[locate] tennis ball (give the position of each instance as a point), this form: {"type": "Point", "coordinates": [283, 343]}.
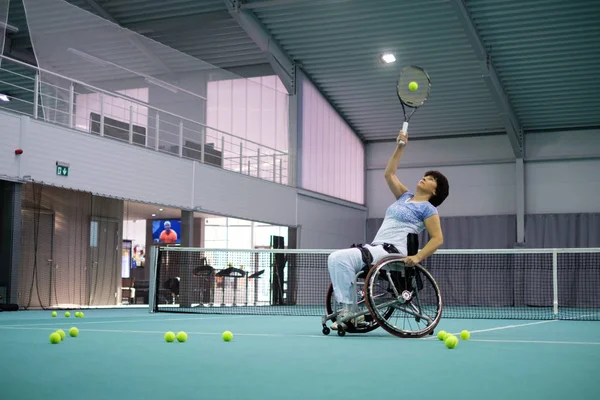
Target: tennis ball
{"type": "Point", "coordinates": [76, 314]}
{"type": "Point", "coordinates": [54, 338]}
{"type": "Point", "coordinates": [169, 337]}
{"type": "Point", "coordinates": [227, 336]}
{"type": "Point", "coordinates": [441, 335]}
{"type": "Point", "coordinates": [54, 314]}
{"type": "Point", "coordinates": [81, 314]}
{"type": "Point", "coordinates": [413, 86]}
{"type": "Point", "coordinates": [451, 341]}
{"type": "Point", "coordinates": [465, 335]}
{"type": "Point", "coordinates": [181, 336]}
{"type": "Point", "coordinates": [67, 314]}
{"type": "Point", "coordinates": [446, 336]}
{"type": "Point", "coordinates": [61, 333]}
{"type": "Point", "coordinates": [73, 332]}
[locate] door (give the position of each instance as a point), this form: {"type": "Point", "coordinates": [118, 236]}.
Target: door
{"type": "Point", "coordinates": [36, 272]}
{"type": "Point", "coordinates": [104, 272]}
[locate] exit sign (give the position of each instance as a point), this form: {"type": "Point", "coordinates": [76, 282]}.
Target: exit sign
{"type": "Point", "coordinates": [62, 169]}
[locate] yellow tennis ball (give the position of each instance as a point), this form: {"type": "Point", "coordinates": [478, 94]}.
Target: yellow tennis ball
{"type": "Point", "coordinates": [67, 314]}
{"type": "Point", "coordinates": [73, 332]}
{"type": "Point", "coordinates": [61, 333]}
{"type": "Point", "coordinates": [451, 341]}
{"type": "Point", "coordinates": [441, 335]}
{"type": "Point", "coordinates": [81, 314]}
{"type": "Point", "coordinates": [413, 86]}
{"type": "Point", "coordinates": [227, 336]}
{"type": "Point", "coordinates": [465, 335]}
{"type": "Point", "coordinates": [182, 336]}
{"type": "Point", "coordinates": [54, 314]}
{"type": "Point", "coordinates": [169, 337]}
{"type": "Point", "coordinates": [54, 338]}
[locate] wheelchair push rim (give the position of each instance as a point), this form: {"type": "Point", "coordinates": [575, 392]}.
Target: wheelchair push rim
{"type": "Point", "coordinates": [370, 324]}
{"type": "Point", "coordinates": [412, 292]}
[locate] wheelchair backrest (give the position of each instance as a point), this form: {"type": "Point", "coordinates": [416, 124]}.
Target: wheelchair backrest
{"type": "Point", "coordinates": [412, 244]}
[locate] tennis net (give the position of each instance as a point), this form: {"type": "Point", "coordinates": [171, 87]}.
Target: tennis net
{"type": "Point", "coordinates": [536, 284]}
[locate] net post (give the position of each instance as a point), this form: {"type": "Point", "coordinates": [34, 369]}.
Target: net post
{"type": "Point", "coordinates": [152, 282]}
{"type": "Point", "coordinates": [555, 281]}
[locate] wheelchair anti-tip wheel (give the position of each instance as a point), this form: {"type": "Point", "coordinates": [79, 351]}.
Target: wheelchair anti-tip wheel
{"type": "Point", "coordinates": [410, 292]}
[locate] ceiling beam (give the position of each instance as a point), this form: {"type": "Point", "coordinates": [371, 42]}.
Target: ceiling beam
{"type": "Point", "coordinates": [268, 3]}
{"type": "Point", "coordinates": [490, 76]}
{"type": "Point", "coordinates": [131, 36]}
{"type": "Point", "coordinates": [282, 64]}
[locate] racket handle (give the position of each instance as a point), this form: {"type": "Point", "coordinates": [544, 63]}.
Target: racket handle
{"type": "Point", "coordinates": [405, 130]}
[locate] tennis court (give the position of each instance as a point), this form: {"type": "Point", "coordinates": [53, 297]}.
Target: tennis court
{"type": "Point", "coordinates": [288, 357]}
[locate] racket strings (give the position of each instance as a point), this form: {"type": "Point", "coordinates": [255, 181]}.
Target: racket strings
{"type": "Point", "coordinates": [413, 98]}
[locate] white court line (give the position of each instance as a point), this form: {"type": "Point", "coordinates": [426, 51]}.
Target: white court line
{"type": "Point", "coordinates": [83, 322]}
{"type": "Point", "coordinates": [499, 328]}
{"type": "Point", "coordinates": [534, 341]}
{"type": "Point", "coordinates": [162, 332]}
{"type": "Point", "coordinates": [317, 336]}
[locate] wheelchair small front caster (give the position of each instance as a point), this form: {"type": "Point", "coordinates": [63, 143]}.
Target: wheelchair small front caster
{"type": "Point", "coordinates": [341, 331]}
{"type": "Point", "coordinates": [326, 330]}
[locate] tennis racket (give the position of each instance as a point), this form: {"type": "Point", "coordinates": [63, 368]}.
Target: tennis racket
{"type": "Point", "coordinates": [412, 99]}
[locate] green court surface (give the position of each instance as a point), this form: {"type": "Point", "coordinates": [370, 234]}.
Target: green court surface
{"type": "Point", "coordinates": [122, 354]}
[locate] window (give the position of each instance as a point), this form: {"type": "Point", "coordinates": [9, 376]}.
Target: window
{"type": "Point", "coordinates": [333, 157]}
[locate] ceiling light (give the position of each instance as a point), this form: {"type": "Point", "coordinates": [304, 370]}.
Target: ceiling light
{"type": "Point", "coordinates": [154, 215]}
{"type": "Point", "coordinates": [388, 58]}
{"type": "Point", "coordinates": [160, 209]}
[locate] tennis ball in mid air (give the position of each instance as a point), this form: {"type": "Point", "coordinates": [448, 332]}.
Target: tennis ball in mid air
{"type": "Point", "coordinates": [465, 335]}
{"type": "Point", "coordinates": [182, 336]}
{"type": "Point", "coordinates": [451, 341]}
{"type": "Point", "coordinates": [413, 86]}
{"type": "Point", "coordinates": [54, 338]}
{"type": "Point", "coordinates": [169, 337]}
{"type": "Point", "coordinates": [227, 336]}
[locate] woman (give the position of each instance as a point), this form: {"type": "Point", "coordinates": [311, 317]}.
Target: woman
{"type": "Point", "coordinates": [410, 213]}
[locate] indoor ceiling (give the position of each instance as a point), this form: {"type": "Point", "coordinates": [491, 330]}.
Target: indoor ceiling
{"type": "Point", "coordinates": [545, 54]}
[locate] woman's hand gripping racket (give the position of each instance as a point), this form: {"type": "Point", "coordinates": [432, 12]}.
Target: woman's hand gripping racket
{"type": "Point", "coordinates": [413, 89]}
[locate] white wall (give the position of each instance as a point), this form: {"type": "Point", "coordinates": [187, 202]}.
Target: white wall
{"type": "Point", "coordinates": [560, 173]}
{"type": "Point", "coordinates": [327, 225]}
{"type": "Point", "coordinates": [10, 140]}
{"type": "Point", "coordinates": [115, 169]}
{"type": "Point", "coordinates": [475, 188]}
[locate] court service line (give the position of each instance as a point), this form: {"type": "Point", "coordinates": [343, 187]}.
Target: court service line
{"type": "Point", "coordinates": [534, 341]}
{"type": "Point", "coordinates": [162, 332]}
{"type": "Point", "coordinates": [499, 328]}
{"type": "Point", "coordinates": [126, 321]}
{"type": "Point", "coordinates": [282, 335]}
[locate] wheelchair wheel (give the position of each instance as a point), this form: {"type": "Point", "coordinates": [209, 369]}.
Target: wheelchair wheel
{"type": "Point", "coordinates": [369, 323]}
{"type": "Point", "coordinates": [412, 294]}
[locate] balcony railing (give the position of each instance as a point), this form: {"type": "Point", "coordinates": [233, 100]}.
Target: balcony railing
{"type": "Point", "coordinates": [53, 98]}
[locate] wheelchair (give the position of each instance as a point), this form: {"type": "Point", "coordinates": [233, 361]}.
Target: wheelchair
{"type": "Point", "coordinates": [404, 300]}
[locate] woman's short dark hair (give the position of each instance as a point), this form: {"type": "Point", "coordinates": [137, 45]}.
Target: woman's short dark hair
{"type": "Point", "coordinates": [443, 188]}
